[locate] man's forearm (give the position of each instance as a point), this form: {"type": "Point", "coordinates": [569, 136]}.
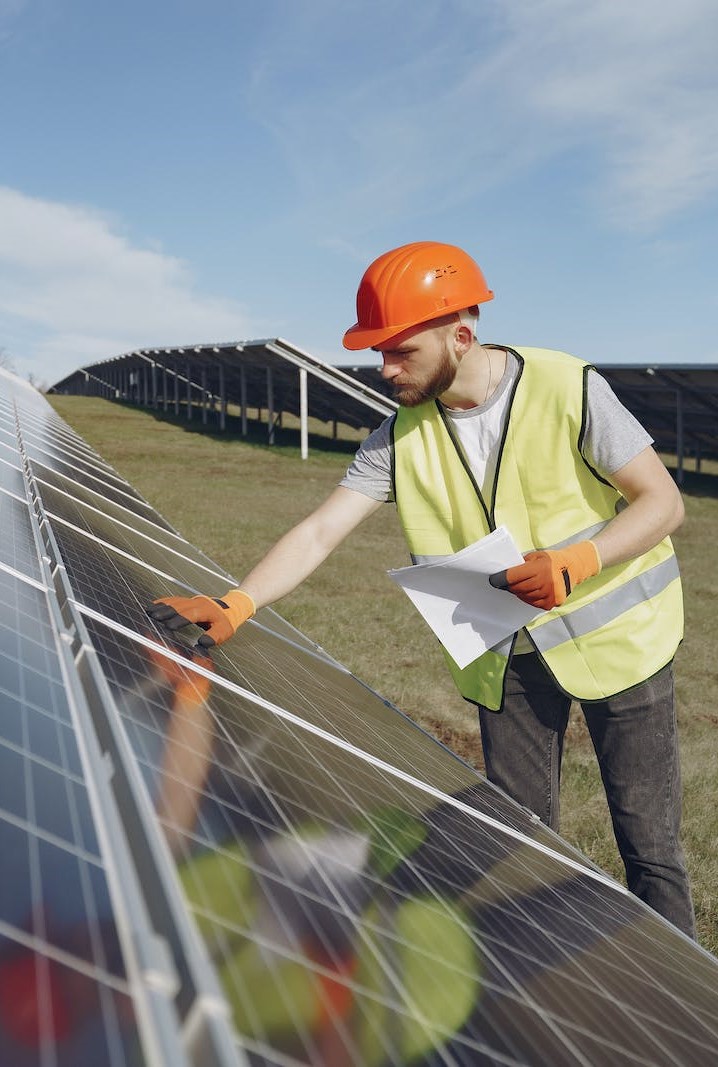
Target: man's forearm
{"type": "Point", "coordinates": [655, 510]}
{"type": "Point", "coordinates": [298, 554]}
{"type": "Point", "coordinates": [634, 531]}
{"type": "Point", "coordinates": [287, 564]}
{"type": "Point", "coordinates": [283, 568]}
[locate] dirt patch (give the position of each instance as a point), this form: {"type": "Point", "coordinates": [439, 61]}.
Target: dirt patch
{"type": "Point", "coordinates": [465, 743]}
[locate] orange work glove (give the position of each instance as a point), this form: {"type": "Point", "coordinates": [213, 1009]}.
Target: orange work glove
{"type": "Point", "coordinates": [220, 618]}
{"type": "Point", "coordinates": [546, 578]}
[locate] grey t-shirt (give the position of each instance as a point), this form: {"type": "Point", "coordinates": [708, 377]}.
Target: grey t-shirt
{"type": "Point", "coordinates": [613, 437]}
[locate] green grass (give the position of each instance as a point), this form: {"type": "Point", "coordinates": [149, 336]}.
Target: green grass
{"type": "Point", "coordinates": [233, 497]}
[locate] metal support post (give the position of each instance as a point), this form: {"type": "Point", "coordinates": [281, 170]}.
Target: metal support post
{"type": "Point", "coordinates": [679, 436]}
{"type": "Point", "coordinates": [243, 398]}
{"type": "Point", "coordinates": [270, 406]}
{"type": "Point", "coordinates": [303, 408]}
{"type": "Point", "coordinates": [222, 400]}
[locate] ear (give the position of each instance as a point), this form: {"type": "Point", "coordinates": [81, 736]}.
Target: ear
{"type": "Point", "coordinates": [463, 338]}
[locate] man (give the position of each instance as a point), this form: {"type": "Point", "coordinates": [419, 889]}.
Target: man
{"type": "Point", "coordinates": [533, 439]}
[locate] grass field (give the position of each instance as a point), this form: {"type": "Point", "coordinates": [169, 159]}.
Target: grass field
{"type": "Point", "coordinates": [233, 497]}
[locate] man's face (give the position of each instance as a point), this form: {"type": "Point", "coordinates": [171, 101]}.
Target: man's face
{"type": "Point", "coordinates": [419, 365]}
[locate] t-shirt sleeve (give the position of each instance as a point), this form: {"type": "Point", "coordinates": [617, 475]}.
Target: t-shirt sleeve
{"type": "Point", "coordinates": [613, 435]}
{"type": "Point", "coordinates": [370, 470]}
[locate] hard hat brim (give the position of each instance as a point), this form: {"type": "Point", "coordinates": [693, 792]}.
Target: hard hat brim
{"type": "Point", "coordinates": [358, 337]}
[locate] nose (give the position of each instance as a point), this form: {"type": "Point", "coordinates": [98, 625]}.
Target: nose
{"type": "Point", "coordinates": [390, 368]}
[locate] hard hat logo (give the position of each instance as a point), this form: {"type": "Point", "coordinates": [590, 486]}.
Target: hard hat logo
{"type": "Point", "coordinates": [440, 272]}
{"type": "Point", "coordinates": [411, 285]}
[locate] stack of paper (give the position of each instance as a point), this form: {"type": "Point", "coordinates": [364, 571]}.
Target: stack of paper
{"type": "Point", "coordinates": [455, 598]}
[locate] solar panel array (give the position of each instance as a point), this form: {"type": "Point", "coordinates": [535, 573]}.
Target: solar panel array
{"type": "Point", "coordinates": [264, 374]}
{"type": "Point", "coordinates": [249, 857]}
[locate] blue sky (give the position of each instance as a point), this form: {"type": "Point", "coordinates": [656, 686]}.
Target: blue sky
{"type": "Point", "coordinates": [178, 171]}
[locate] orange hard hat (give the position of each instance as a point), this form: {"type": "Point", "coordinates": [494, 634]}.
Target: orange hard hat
{"type": "Point", "coordinates": [410, 285]}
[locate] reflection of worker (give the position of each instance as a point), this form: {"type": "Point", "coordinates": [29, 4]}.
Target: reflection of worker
{"type": "Point", "coordinates": [536, 440]}
{"type": "Point", "coordinates": [290, 961]}
{"type": "Point", "coordinates": [187, 747]}
{"type": "Point", "coordinates": [305, 974]}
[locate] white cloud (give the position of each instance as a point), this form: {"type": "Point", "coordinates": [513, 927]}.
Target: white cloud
{"type": "Point", "coordinates": [634, 84]}
{"type": "Point", "coordinates": [75, 289]}
{"type": "Point", "coordinates": [435, 109]}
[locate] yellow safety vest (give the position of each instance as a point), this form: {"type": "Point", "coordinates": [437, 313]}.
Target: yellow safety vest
{"type": "Point", "coordinates": [616, 629]}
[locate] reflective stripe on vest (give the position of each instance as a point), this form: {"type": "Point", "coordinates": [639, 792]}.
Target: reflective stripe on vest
{"type": "Point", "coordinates": [617, 628]}
{"type": "Point", "coordinates": [610, 606]}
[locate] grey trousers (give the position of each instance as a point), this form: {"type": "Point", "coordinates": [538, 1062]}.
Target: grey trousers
{"type": "Point", "coordinates": [635, 739]}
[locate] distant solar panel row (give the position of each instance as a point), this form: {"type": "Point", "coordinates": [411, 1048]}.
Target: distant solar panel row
{"type": "Point", "coordinates": [251, 858]}
{"type": "Point", "coordinates": [263, 374]}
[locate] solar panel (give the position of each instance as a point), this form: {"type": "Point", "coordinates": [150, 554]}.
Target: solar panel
{"type": "Point", "coordinates": [249, 857]}
{"type": "Point", "coordinates": [11, 480]}
{"type": "Point", "coordinates": [63, 976]}
{"type": "Point", "coordinates": [9, 454]}
{"type": "Point", "coordinates": [17, 545]}
{"type": "Point", "coordinates": [81, 499]}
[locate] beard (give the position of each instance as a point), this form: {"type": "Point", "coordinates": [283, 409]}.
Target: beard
{"type": "Point", "coordinates": [411, 394]}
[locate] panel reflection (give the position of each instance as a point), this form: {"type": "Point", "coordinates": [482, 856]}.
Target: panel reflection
{"type": "Point", "coordinates": [355, 918]}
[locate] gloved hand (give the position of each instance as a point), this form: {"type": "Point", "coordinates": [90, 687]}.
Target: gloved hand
{"type": "Point", "coordinates": [220, 618]}
{"type": "Point", "coordinates": [546, 578]}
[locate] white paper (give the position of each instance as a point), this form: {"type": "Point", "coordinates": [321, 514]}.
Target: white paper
{"type": "Point", "coordinates": [455, 598]}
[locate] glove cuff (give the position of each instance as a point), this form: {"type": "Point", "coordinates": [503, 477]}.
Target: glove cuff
{"type": "Point", "coordinates": [240, 607]}
{"type": "Point", "coordinates": [586, 555]}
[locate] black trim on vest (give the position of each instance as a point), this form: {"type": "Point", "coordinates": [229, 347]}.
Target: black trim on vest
{"type": "Point", "coordinates": [392, 460]}
{"type": "Point", "coordinates": [464, 462]}
{"type": "Point", "coordinates": [519, 373]}
{"type": "Point", "coordinates": [584, 421]}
